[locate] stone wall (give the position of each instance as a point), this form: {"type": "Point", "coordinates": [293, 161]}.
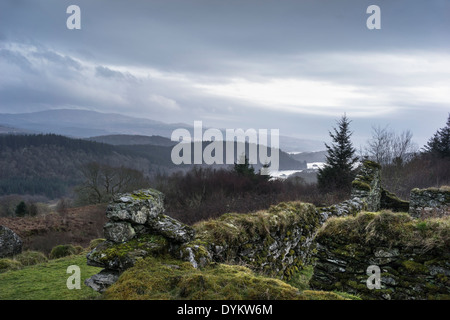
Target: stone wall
{"type": "Point", "coordinates": [431, 202]}
{"type": "Point", "coordinates": [413, 256]}
{"type": "Point", "coordinates": [277, 242]}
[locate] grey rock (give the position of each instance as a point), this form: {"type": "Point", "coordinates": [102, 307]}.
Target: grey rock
{"type": "Point", "coordinates": [10, 243]}
{"type": "Point", "coordinates": [102, 280]}
{"type": "Point", "coordinates": [118, 231]}
{"type": "Point", "coordinates": [171, 229]}
{"type": "Point", "coordinates": [121, 256]}
{"type": "Point", "coordinates": [136, 207]}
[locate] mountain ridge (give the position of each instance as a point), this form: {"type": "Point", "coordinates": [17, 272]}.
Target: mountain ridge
{"type": "Point", "coordinates": [78, 123]}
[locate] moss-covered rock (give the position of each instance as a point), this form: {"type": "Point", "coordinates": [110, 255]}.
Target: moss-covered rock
{"type": "Point", "coordinates": [390, 201]}
{"type": "Point", "coordinates": [121, 256]}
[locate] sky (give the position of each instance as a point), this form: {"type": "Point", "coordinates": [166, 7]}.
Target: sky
{"type": "Point", "coordinates": [292, 65]}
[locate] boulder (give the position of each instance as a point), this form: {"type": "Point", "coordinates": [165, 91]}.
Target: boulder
{"type": "Point", "coordinates": [10, 243]}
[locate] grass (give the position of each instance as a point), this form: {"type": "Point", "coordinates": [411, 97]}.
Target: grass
{"type": "Point", "coordinates": [387, 228]}
{"type": "Point", "coordinates": [47, 281]}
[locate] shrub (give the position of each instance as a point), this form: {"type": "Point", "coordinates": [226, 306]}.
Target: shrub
{"type": "Point", "coordinates": [7, 264]}
{"type": "Point", "coordinates": [28, 258]}
{"type": "Point", "coordinates": [62, 251]}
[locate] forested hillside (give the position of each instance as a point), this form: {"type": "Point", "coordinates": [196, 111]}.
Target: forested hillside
{"type": "Point", "coordinates": [50, 165]}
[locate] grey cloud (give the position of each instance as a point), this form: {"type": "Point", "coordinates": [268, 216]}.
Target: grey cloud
{"type": "Point", "coordinates": [56, 58]}
{"type": "Point", "coordinates": [212, 42]}
{"type": "Point", "coordinates": [17, 59]}
{"type": "Point", "coordinates": [105, 72]}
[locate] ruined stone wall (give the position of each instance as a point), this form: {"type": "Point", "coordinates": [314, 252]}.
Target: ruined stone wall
{"type": "Point", "coordinates": [367, 185]}
{"type": "Point", "coordinates": [431, 202]}
{"type": "Point", "coordinates": [413, 256]}
{"type": "Point", "coordinates": [277, 242]}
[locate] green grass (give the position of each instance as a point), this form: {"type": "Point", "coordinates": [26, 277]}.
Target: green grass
{"type": "Point", "coordinates": [47, 281]}
{"type": "Point", "coordinates": [300, 279]}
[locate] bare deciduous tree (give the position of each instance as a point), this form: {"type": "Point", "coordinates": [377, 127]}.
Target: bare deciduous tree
{"type": "Point", "coordinates": [103, 181]}
{"type": "Point", "coordinates": [387, 147]}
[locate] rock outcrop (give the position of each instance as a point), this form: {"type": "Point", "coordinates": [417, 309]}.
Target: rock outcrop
{"type": "Point", "coordinates": [10, 243]}
{"type": "Point", "coordinates": [137, 228]}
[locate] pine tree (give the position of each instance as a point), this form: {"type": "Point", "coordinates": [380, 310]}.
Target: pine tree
{"type": "Point", "coordinates": [338, 172]}
{"type": "Point", "coordinates": [244, 168]}
{"type": "Point", "coordinates": [439, 144]}
{"type": "Point", "coordinates": [21, 209]}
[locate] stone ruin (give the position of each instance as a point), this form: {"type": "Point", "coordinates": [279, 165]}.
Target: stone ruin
{"type": "Point", "coordinates": [276, 242]}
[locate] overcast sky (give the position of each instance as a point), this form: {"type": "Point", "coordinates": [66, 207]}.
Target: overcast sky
{"type": "Point", "coordinates": [292, 65]}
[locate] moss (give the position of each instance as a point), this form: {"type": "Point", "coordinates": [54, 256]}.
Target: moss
{"type": "Point", "coordinates": [234, 229]}
{"type": "Point", "coordinates": [371, 164]}
{"type": "Point", "coordinates": [360, 185]}
{"type": "Point", "coordinates": [140, 243]}
{"type": "Point", "coordinates": [387, 228]}
{"type": "Point", "coordinates": [146, 194]}
{"type": "Point", "coordinates": [391, 202]}
{"type": "Point", "coordinates": [165, 278]}
{"type": "Point", "coordinates": [414, 267]}
{"type": "Point", "coordinates": [95, 242]}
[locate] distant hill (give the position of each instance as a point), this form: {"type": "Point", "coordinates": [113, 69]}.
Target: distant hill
{"type": "Point", "coordinates": [87, 124]}
{"type": "Point", "coordinates": [126, 139]}
{"type": "Point", "coordinates": [10, 130]}
{"type": "Point", "coordinates": [50, 164]}
{"type": "Point", "coordinates": [84, 123]}
{"type": "Point", "coordinates": [319, 156]}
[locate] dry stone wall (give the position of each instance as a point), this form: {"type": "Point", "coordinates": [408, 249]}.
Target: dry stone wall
{"type": "Point", "coordinates": [413, 256]}
{"type": "Point", "coordinates": [431, 202]}
{"type": "Point", "coordinates": [277, 242]}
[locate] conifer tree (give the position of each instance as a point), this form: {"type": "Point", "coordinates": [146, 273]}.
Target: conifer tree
{"type": "Point", "coordinates": [338, 172]}
{"type": "Point", "coordinates": [439, 144]}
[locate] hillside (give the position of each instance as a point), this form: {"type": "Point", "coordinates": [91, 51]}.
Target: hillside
{"type": "Point", "coordinates": [317, 156]}
{"type": "Point", "coordinates": [50, 164]}
{"type": "Point", "coordinates": [86, 124]}
{"type": "Point", "coordinates": [126, 139]}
